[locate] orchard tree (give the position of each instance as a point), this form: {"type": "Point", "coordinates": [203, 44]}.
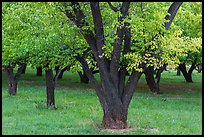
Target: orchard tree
{"type": "Point", "coordinates": [109, 30]}
{"type": "Point", "coordinates": [190, 21]}
{"type": "Point", "coordinates": [14, 43]}
{"type": "Point", "coordinates": [53, 44]}
{"type": "Point", "coordinates": [151, 38]}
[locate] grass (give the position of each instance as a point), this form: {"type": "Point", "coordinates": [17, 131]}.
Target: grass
{"type": "Point", "coordinates": [177, 111]}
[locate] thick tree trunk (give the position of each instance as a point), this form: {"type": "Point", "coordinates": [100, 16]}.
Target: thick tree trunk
{"type": "Point", "coordinates": [50, 87]}
{"type": "Point", "coordinates": [115, 121]}
{"type": "Point", "coordinates": [39, 71]}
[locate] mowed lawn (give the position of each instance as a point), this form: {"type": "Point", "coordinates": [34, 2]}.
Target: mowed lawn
{"type": "Point", "coordinates": [177, 111]}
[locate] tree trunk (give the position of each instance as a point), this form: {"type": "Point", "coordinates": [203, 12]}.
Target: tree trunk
{"type": "Point", "coordinates": [50, 87]}
{"type": "Point", "coordinates": [83, 78]}
{"type": "Point", "coordinates": [12, 80]}
{"type": "Point", "coordinates": [12, 85]}
{"type": "Point", "coordinates": [178, 72]}
{"type": "Point", "coordinates": [187, 75]}
{"type": "Point", "coordinates": [149, 76]}
{"type": "Point", "coordinates": [24, 69]}
{"type": "Point", "coordinates": [115, 121]}
{"type": "Point", "coordinates": [39, 71]}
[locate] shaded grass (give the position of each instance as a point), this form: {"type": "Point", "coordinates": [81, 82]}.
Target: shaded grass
{"type": "Point", "coordinates": [177, 111]}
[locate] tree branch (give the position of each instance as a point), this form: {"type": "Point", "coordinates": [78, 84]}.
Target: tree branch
{"type": "Point", "coordinates": [172, 11]}
{"type": "Point", "coordinates": [92, 79]}
{"type": "Point", "coordinates": [116, 9]}
{"type": "Point", "coordinates": [115, 60]}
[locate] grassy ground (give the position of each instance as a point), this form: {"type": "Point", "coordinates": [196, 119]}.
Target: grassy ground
{"type": "Point", "coordinates": [177, 111]}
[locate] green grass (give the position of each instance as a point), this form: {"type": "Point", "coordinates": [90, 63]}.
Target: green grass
{"type": "Point", "coordinates": [177, 111]}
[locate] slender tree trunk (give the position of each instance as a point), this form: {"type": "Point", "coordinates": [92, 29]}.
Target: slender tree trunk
{"type": "Point", "coordinates": [39, 71]}
{"type": "Point", "coordinates": [178, 72]}
{"type": "Point", "coordinates": [149, 76]}
{"type": "Point", "coordinates": [12, 85]}
{"type": "Point", "coordinates": [24, 69]}
{"type": "Point", "coordinates": [50, 87]}
{"type": "Point", "coordinates": [83, 78]}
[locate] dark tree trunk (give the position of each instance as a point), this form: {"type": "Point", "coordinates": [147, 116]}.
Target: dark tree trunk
{"type": "Point", "coordinates": [83, 77]}
{"type": "Point", "coordinates": [187, 75]}
{"type": "Point", "coordinates": [149, 76]}
{"type": "Point", "coordinates": [24, 69]}
{"type": "Point", "coordinates": [12, 80]}
{"type": "Point", "coordinates": [115, 121]}
{"type": "Point", "coordinates": [50, 87]}
{"type": "Point", "coordinates": [12, 85]}
{"type": "Point", "coordinates": [178, 72]}
{"type": "Point", "coordinates": [39, 71]}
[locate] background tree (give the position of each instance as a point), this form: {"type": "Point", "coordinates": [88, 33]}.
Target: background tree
{"type": "Point", "coordinates": [190, 22]}
{"type": "Point", "coordinates": [14, 48]}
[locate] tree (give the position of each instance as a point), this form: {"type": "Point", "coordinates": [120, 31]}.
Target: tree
{"type": "Point", "coordinates": [190, 21]}
{"type": "Point", "coordinates": [153, 82]}
{"type": "Point", "coordinates": [14, 48]}
{"type": "Point", "coordinates": [114, 94]}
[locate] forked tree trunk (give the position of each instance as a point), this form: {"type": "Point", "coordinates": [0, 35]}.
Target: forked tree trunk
{"type": "Point", "coordinates": [57, 68]}
{"type": "Point", "coordinates": [50, 87]}
{"type": "Point", "coordinates": [187, 74]}
{"type": "Point", "coordinates": [115, 93]}
{"type": "Point", "coordinates": [39, 71]}
{"type": "Point", "coordinates": [12, 79]}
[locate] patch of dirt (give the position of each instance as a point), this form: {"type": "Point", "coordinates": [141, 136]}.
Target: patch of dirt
{"type": "Point", "coordinates": [153, 130]}
{"type": "Point", "coordinates": [74, 88]}
{"type": "Point", "coordinates": [119, 130]}
{"type": "Point", "coordinates": [177, 87]}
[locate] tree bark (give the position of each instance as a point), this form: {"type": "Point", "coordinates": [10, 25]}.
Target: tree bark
{"type": "Point", "coordinates": [39, 71]}
{"type": "Point", "coordinates": [83, 77]}
{"type": "Point", "coordinates": [12, 85]}
{"type": "Point", "coordinates": [115, 121]}
{"type": "Point", "coordinates": [178, 72]}
{"type": "Point", "coordinates": [12, 79]}
{"type": "Point", "coordinates": [149, 76]}
{"type": "Point", "coordinates": [187, 75]}
{"type": "Point", "coordinates": [50, 87]}
{"type": "Point", "coordinates": [24, 69]}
